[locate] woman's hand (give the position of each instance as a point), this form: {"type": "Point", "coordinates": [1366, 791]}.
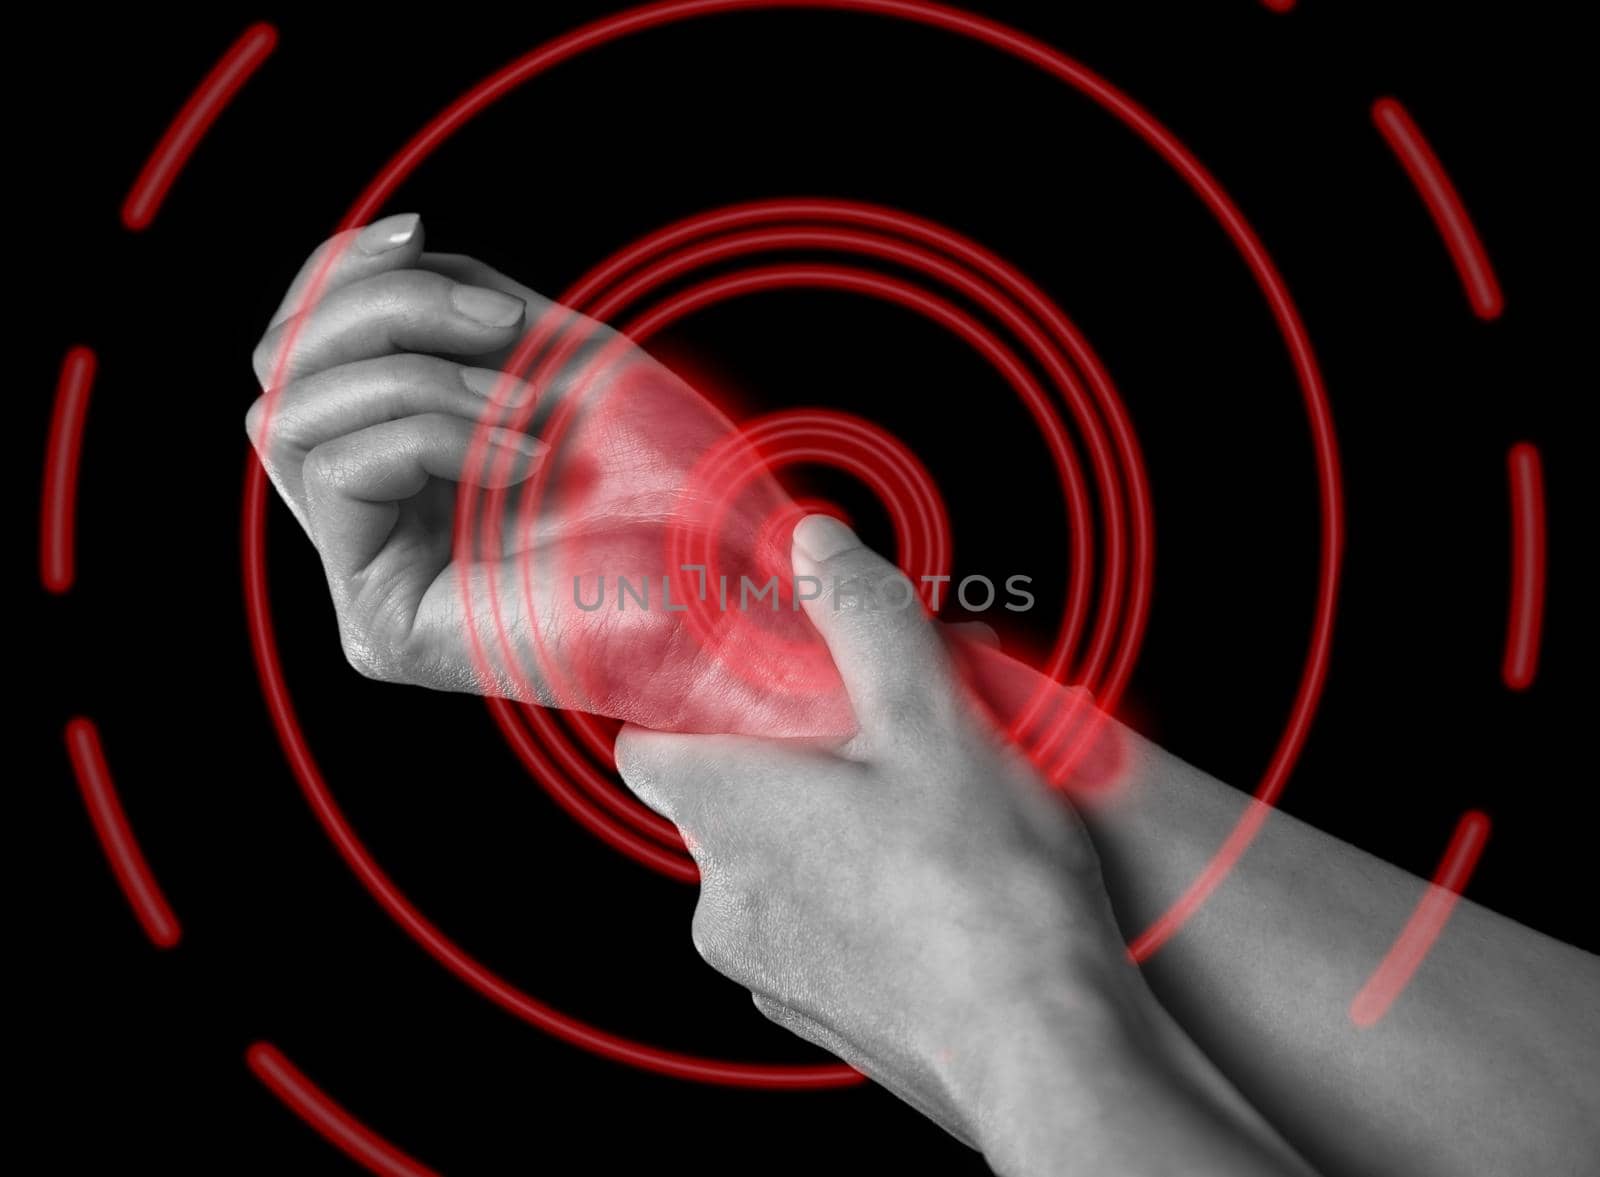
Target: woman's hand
{"type": "Point", "coordinates": [381, 386]}
{"type": "Point", "coordinates": [917, 903]}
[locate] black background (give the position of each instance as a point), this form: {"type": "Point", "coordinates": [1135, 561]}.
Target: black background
{"type": "Point", "coordinates": [144, 1061]}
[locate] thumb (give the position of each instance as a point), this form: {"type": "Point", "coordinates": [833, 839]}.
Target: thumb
{"type": "Point", "coordinates": [870, 615]}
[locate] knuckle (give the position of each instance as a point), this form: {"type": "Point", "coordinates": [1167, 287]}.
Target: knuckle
{"type": "Point", "coordinates": [774, 1011]}
{"type": "Point", "coordinates": [329, 246]}
{"type": "Point", "coordinates": [705, 933]}
{"type": "Point", "coordinates": [320, 467]}
{"type": "Point", "coordinates": [273, 422]}
{"type": "Point", "coordinates": [435, 426]}
{"type": "Point", "coordinates": [413, 369]}
{"type": "Point", "coordinates": [376, 633]}
{"type": "Point", "coordinates": [405, 293]}
{"type": "Point", "coordinates": [362, 658]}
{"type": "Point", "coordinates": [631, 753]}
{"type": "Point", "coordinates": [724, 938]}
{"type": "Point", "coordinates": [409, 661]}
{"type": "Point", "coordinates": [255, 420]}
{"type": "Point", "coordinates": [326, 467]}
{"type": "Point", "coordinates": [263, 360]}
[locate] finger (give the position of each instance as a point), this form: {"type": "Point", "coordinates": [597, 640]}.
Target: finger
{"type": "Point", "coordinates": [580, 339]}
{"type": "Point", "coordinates": [887, 651]}
{"type": "Point", "coordinates": [354, 484]}
{"type": "Point", "coordinates": [391, 243]}
{"type": "Point", "coordinates": [286, 425]}
{"type": "Point", "coordinates": [709, 785]}
{"type": "Point", "coordinates": [402, 310]}
{"type": "Point", "coordinates": [460, 267]}
{"type": "Point", "coordinates": [665, 770]}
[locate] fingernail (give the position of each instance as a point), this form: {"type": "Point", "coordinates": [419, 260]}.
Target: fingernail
{"type": "Point", "coordinates": [524, 443]}
{"type": "Point", "coordinates": [389, 233]}
{"type": "Point", "coordinates": [822, 537]}
{"type": "Point", "coordinates": [489, 307]}
{"type": "Point", "coordinates": [497, 387]}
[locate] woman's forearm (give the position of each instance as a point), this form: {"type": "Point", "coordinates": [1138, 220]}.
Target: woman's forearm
{"type": "Point", "coordinates": [1122, 1099]}
{"type": "Point", "coordinates": [1482, 1065]}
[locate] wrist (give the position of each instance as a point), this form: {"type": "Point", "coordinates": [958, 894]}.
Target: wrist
{"type": "Point", "coordinates": [1047, 1067]}
{"type": "Point", "coordinates": [1088, 1078]}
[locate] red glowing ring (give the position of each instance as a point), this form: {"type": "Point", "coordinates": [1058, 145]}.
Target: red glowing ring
{"type": "Point", "coordinates": [980, 30]}
{"type": "Point", "coordinates": [590, 772]}
{"type": "Point", "coordinates": [769, 444]}
{"type": "Point", "coordinates": [597, 741]}
{"type": "Point", "coordinates": [1081, 562]}
{"type": "Point", "coordinates": [668, 857]}
{"type": "Point", "coordinates": [637, 332]}
{"type": "Point", "coordinates": [1064, 722]}
{"type": "Point", "coordinates": [912, 482]}
{"type": "Point", "coordinates": [860, 448]}
{"type": "Point", "coordinates": [1012, 283]}
{"type": "Point", "coordinates": [1066, 336]}
{"type": "Point", "coordinates": [1033, 397]}
{"type": "Point", "coordinates": [830, 277]}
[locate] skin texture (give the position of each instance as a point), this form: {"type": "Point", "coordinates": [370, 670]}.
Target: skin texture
{"type": "Point", "coordinates": [916, 901]}
{"type": "Point", "coordinates": [1485, 1064]}
{"type": "Point", "coordinates": [376, 394]}
{"type": "Point", "coordinates": [367, 435]}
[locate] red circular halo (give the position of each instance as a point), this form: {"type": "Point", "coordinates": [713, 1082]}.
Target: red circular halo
{"type": "Point", "coordinates": [781, 439]}
{"type": "Point", "coordinates": [1055, 748]}
{"type": "Point", "coordinates": [819, 437]}
{"type": "Point", "coordinates": [767, 445]}
{"type": "Point", "coordinates": [638, 331]}
{"type": "Point", "coordinates": [828, 277]}
{"type": "Point", "coordinates": [987, 268]}
{"type": "Point", "coordinates": [1038, 404]}
{"type": "Point", "coordinates": [978, 29]}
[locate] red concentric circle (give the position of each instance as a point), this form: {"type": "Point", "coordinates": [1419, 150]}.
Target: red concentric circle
{"type": "Point", "coordinates": [980, 30]}
{"type": "Point", "coordinates": [1056, 751]}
